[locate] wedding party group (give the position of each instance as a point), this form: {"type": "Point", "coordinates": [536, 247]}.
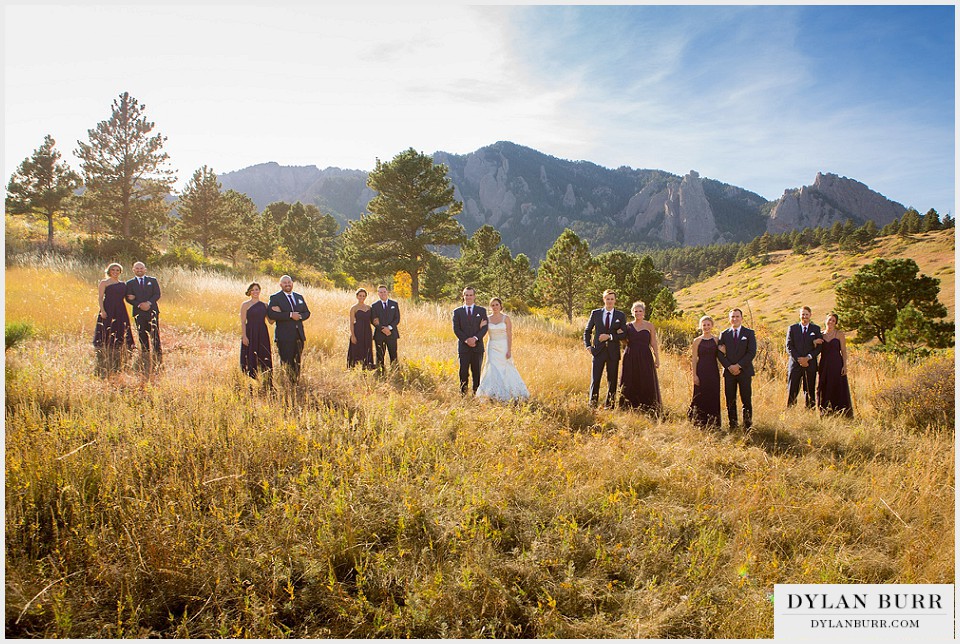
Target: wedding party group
{"type": "Point", "coordinates": [626, 352]}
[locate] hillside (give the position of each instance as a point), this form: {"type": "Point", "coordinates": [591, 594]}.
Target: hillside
{"type": "Point", "coordinates": [770, 295]}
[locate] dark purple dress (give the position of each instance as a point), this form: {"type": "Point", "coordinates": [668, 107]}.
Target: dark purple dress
{"type": "Point", "coordinates": [638, 380]}
{"type": "Point", "coordinates": [833, 389]}
{"type": "Point", "coordinates": [362, 352]}
{"type": "Point", "coordinates": [113, 337]}
{"type": "Point", "coordinates": [255, 357]}
{"type": "Point", "coordinates": [705, 406]}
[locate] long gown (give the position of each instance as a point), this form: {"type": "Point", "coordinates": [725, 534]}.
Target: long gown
{"type": "Point", "coordinates": [500, 379]}
{"type": "Point", "coordinates": [833, 389]}
{"type": "Point", "coordinates": [362, 352]}
{"type": "Point", "coordinates": [639, 386]}
{"type": "Point", "coordinates": [112, 337]}
{"type": "Point", "coordinates": [256, 357]}
{"type": "Point", "coordinates": [705, 406]}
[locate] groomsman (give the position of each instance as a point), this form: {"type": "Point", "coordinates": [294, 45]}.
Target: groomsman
{"type": "Point", "coordinates": [469, 325]}
{"type": "Point", "coordinates": [741, 348]}
{"type": "Point", "coordinates": [143, 291]}
{"type": "Point", "coordinates": [606, 327]}
{"type": "Point", "coordinates": [803, 349]}
{"type": "Point", "coordinates": [289, 310]}
{"type": "Point", "coordinates": [385, 317]}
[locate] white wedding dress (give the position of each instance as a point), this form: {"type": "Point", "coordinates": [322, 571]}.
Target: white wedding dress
{"type": "Point", "coordinates": [500, 380]}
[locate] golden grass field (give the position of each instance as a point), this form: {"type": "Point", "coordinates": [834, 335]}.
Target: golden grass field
{"type": "Point", "coordinates": [198, 505]}
{"type": "Point", "coordinates": [773, 293]}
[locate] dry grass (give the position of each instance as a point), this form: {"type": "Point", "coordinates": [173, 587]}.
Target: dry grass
{"type": "Point", "coordinates": [770, 295]}
{"type": "Point", "coordinates": [196, 505]}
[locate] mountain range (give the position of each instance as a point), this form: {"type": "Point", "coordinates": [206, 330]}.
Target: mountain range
{"type": "Point", "coordinates": [530, 197]}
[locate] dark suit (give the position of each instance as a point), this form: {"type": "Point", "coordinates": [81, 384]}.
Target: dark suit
{"type": "Point", "coordinates": [800, 344]}
{"type": "Point", "coordinates": [606, 355]}
{"type": "Point", "coordinates": [388, 315]}
{"type": "Point", "coordinates": [740, 351]}
{"type": "Point", "coordinates": [289, 334]}
{"type": "Point", "coordinates": [471, 358]}
{"type": "Point", "coordinates": [148, 322]}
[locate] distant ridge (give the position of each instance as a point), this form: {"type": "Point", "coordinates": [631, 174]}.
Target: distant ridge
{"type": "Point", "coordinates": [530, 197]}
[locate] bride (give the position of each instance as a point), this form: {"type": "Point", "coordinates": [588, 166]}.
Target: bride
{"type": "Point", "coordinates": [500, 379]}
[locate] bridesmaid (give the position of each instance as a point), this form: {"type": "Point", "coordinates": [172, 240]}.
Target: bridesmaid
{"type": "Point", "coordinates": [112, 337]}
{"type": "Point", "coordinates": [833, 388]}
{"type": "Point", "coordinates": [255, 344]}
{"type": "Point", "coordinates": [705, 406]}
{"type": "Point", "coordinates": [360, 351]}
{"type": "Point", "coordinates": [638, 382]}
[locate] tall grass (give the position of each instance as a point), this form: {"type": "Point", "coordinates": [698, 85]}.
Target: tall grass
{"type": "Point", "coordinates": [199, 504]}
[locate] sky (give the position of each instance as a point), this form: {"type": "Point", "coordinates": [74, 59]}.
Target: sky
{"type": "Point", "coordinates": [759, 96]}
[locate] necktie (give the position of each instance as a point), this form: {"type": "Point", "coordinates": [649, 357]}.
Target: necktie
{"type": "Point", "coordinates": [141, 281]}
{"type": "Point", "coordinates": [469, 311]}
{"type": "Point", "coordinates": [804, 329]}
{"type": "Point", "coordinates": [608, 320]}
{"type": "Point", "coordinates": [736, 335]}
{"type": "Point", "coordinates": [292, 305]}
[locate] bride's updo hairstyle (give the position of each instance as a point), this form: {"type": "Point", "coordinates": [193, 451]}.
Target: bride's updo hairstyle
{"type": "Point", "coordinates": [498, 301]}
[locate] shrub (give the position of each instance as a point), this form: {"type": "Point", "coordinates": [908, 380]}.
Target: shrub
{"type": "Point", "coordinates": [116, 250]}
{"type": "Point", "coordinates": [182, 256]}
{"type": "Point", "coordinates": [17, 332]}
{"type": "Point", "coordinates": [676, 335]}
{"type": "Point", "coordinates": [924, 397]}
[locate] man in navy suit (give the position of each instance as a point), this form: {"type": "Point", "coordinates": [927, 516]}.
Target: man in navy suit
{"type": "Point", "coordinates": [803, 348]}
{"type": "Point", "coordinates": [606, 327]}
{"type": "Point", "coordinates": [385, 318]}
{"type": "Point", "coordinates": [289, 310]}
{"type": "Point", "coordinates": [469, 325]}
{"type": "Point", "coordinates": [143, 291]}
{"type": "Point", "coordinates": [740, 344]}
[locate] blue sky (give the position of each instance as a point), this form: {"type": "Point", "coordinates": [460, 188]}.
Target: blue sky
{"type": "Point", "coordinates": [762, 97]}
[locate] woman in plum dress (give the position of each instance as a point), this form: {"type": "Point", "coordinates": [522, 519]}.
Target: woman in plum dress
{"type": "Point", "coordinates": [360, 351]}
{"type": "Point", "coordinates": [705, 406]}
{"type": "Point", "coordinates": [833, 388]}
{"type": "Point", "coordinates": [255, 350]}
{"type": "Point", "coordinates": [112, 337]}
{"type": "Point", "coordinates": [639, 387]}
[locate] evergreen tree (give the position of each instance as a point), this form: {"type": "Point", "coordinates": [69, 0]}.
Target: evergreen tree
{"type": "Point", "coordinates": [614, 270]}
{"type": "Point", "coordinates": [124, 172]}
{"type": "Point", "coordinates": [41, 185]}
{"type": "Point", "coordinates": [202, 218]}
{"type": "Point", "coordinates": [910, 222]}
{"type": "Point", "coordinates": [298, 235]}
{"type": "Point", "coordinates": [931, 221]}
{"type": "Point", "coordinates": [645, 280]}
{"type": "Point", "coordinates": [564, 277]}
{"type": "Point", "coordinates": [242, 224]}
{"type": "Point", "coordinates": [414, 210]}
{"type": "Point", "coordinates": [664, 306]}
{"type": "Point", "coordinates": [475, 256]}
{"type": "Point", "coordinates": [263, 240]}
{"type": "Point", "coordinates": [869, 301]}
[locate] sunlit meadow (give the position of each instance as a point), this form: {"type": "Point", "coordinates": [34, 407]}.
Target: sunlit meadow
{"type": "Point", "coordinates": [202, 504]}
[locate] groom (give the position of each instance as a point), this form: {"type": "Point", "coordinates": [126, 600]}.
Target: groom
{"type": "Point", "coordinates": [470, 325]}
{"type": "Point", "coordinates": [142, 293]}
{"type": "Point", "coordinates": [605, 329]}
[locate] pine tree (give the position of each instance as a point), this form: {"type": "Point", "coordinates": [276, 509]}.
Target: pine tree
{"type": "Point", "coordinates": [870, 300]}
{"type": "Point", "coordinates": [564, 277]}
{"type": "Point", "coordinates": [41, 185]}
{"type": "Point", "coordinates": [242, 224]}
{"type": "Point", "coordinates": [124, 173]}
{"type": "Point", "coordinates": [203, 220]}
{"type": "Point", "coordinates": [414, 211]}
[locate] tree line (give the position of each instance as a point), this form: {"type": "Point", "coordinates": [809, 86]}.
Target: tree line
{"type": "Point", "coordinates": [123, 197]}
